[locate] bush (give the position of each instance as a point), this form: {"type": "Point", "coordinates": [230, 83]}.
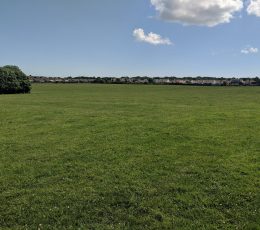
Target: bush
{"type": "Point", "coordinates": [13, 80]}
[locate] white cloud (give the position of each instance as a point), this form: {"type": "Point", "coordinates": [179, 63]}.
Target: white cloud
{"type": "Point", "coordinates": [249, 50]}
{"type": "Point", "coordinates": [254, 8]}
{"type": "Point", "coordinates": [152, 38]}
{"type": "Point", "coordinates": [198, 12]}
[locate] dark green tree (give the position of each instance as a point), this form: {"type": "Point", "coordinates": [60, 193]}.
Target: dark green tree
{"type": "Point", "coordinates": [13, 80]}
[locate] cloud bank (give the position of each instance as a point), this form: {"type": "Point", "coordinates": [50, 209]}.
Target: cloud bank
{"type": "Point", "coordinates": [254, 8]}
{"type": "Point", "coordinates": [249, 50]}
{"type": "Point", "coordinates": [200, 12]}
{"type": "Point", "coordinates": [151, 38]}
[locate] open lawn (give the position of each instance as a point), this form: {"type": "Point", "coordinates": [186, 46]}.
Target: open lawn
{"type": "Point", "coordinates": [130, 157]}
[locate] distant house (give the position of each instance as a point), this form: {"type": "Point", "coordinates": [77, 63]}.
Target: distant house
{"type": "Point", "coordinates": [235, 82]}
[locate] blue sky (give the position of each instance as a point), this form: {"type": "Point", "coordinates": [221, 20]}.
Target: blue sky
{"type": "Point", "coordinates": [95, 37]}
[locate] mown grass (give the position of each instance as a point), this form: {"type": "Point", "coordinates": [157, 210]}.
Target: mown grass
{"type": "Point", "coordinates": [130, 157]}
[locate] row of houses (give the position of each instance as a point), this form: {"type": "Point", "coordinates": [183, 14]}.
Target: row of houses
{"type": "Point", "coordinates": [206, 81]}
{"type": "Point", "coordinates": [214, 82]}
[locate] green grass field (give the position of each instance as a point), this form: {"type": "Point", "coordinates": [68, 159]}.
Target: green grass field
{"type": "Point", "coordinates": [130, 157]}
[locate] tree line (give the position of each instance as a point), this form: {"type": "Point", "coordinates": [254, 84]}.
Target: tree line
{"type": "Point", "coordinates": [150, 80]}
